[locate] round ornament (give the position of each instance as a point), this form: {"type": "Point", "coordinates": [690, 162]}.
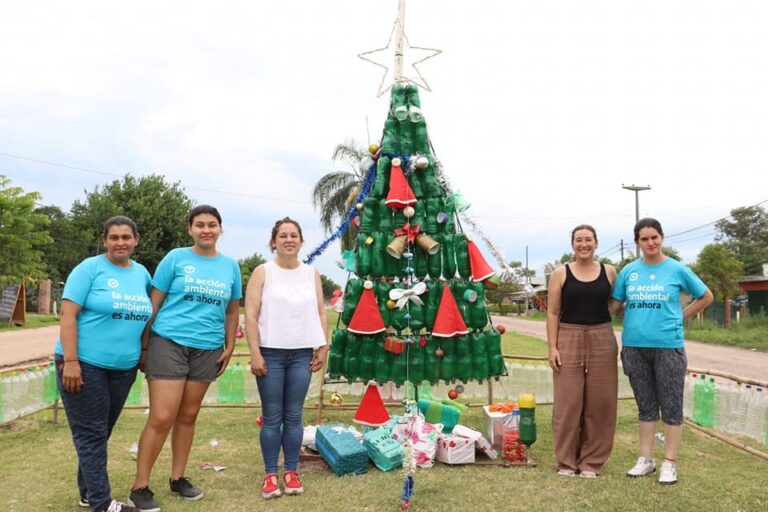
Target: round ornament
{"type": "Point", "coordinates": [422, 341]}
{"type": "Point", "coordinates": [373, 147]}
{"type": "Point", "coordinates": [439, 352]}
{"type": "Point", "coordinates": [422, 162]}
{"type": "Point", "coordinates": [453, 394]}
{"type": "Point", "coordinates": [459, 388]}
{"type": "Point", "coordinates": [336, 399]}
{"type": "Point", "coordinates": [391, 304]}
{"type": "Point", "coordinates": [442, 218]}
{"type": "Point", "coordinates": [359, 206]}
{"type": "Point", "coordinates": [356, 221]}
{"type": "Point", "coordinates": [409, 212]}
{"type": "Point", "coordinates": [396, 162]}
{"type": "Point", "coordinates": [501, 328]}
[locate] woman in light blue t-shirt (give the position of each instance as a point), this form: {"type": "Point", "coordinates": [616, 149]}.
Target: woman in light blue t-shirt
{"type": "Point", "coordinates": [653, 346]}
{"type": "Point", "coordinates": [104, 310]}
{"type": "Point", "coordinates": [196, 295]}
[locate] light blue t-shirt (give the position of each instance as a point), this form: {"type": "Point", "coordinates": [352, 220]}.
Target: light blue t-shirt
{"type": "Point", "coordinates": [115, 307]}
{"type": "Point", "coordinates": [653, 315]}
{"type": "Point", "coordinates": [198, 290]}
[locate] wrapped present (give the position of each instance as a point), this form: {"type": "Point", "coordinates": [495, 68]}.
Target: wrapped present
{"type": "Point", "coordinates": [341, 450]}
{"type": "Point", "coordinates": [500, 418]}
{"type": "Point", "coordinates": [481, 443]}
{"type": "Point", "coordinates": [308, 438]}
{"type": "Point", "coordinates": [385, 452]}
{"type": "Point", "coordinates": [394, 345]}
{"type": "Point", "coordinates": [424, 436]}
{"type": "Point", "coordinates": [454, 449]}
{"type": "Point", "coordinates": [445, 412]}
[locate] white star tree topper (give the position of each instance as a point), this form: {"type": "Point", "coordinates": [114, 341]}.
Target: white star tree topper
{"type": "Point", "coordinates": [416, 55]}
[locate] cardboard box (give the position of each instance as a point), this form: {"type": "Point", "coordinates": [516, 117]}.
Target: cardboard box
{"type": "Point", "coordinates": [497, 423]}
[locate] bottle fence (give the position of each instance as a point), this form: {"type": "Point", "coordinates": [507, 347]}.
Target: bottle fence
{"type": "Point", "coordinates": [725, 405]}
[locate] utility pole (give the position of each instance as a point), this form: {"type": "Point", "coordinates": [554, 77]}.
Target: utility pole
{"type": "Point", "coordinates": [636, 189]}
{"type": "Point", "coordinates": [621, 244]}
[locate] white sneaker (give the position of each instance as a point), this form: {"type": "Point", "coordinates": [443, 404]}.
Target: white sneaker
{"type": "Point", "coordinates": [668, 473]}
{"type": "Point", "coordinates": [643, 467]}
{"type": "Point", "coordinates": [566, 472]}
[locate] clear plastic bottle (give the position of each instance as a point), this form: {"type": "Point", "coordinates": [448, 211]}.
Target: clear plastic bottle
{"type": "Point", "coordinates": [740, 408]}
{"type": "Point", "coordinates": [755, 414]}
{"type": "Point", "coordinates": [727, 405]}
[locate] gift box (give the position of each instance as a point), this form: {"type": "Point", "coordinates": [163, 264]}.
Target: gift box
{"type": "Point", "coordinates": [384, 452]}
{"type": "Point", "coordinates": [341, 450]}
{"type": "Point", "coordinates": [423, 435]}
{"type": "Point", "coordinates": [499, 420]}
{"type": "Point", "coordinates": [394, 345]}
{"type": "Point", "coordinates": [453, 449]}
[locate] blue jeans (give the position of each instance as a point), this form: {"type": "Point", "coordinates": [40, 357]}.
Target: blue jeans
{"type": "Point", "coordinates": [91, 414]}
{"type": "Point", "coordinates": [282, 392]}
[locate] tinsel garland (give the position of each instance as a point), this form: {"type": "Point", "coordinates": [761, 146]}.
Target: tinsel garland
{"type": "Point", "coordinates": [497, 253]}
{"type": "Point", "coordinates": [370, 176]}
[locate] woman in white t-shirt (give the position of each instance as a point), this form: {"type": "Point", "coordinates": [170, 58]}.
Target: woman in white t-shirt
{"type": "Point", "coordinates": [286, 328]}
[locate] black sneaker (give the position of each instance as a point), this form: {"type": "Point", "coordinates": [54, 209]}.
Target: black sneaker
{"type": "Point", "coordinates": [116, 506]}
{"type": "Point", "coordinates": [144, 500]}
{"type": "Point", "coordinates": [184, 488]}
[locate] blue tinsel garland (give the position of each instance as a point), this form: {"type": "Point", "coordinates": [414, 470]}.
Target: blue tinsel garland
{"type": "Point", "coordinates": [370, 176]}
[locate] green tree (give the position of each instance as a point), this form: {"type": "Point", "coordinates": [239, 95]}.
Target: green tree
{"type": "Point", "coordinates": [720, 269]}
{"type": "Point", "coordinates": [247, 265]}
{"type": "Point", "coordinates": [329, 285]}
{"type": "Point", "coordinates": [69, 247]}
{"type": "Point", "coordinates": [159, 209]}
{"type": "Point", "coordinates": [23, 235]}
{"type": "Point", "coordinates": [335, 192]}
{"type": "Point", "coordinates": [745, 233]}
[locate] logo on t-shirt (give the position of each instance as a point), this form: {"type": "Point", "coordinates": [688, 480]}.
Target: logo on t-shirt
{"type": "Point", "coordinates": [633, 276]}
{"type": "Point", "coordinates": [189, 269]}
{"type": "Point", "coordinates": [113, 283]}
{"type": "Point", "coordinates": [652, 277]}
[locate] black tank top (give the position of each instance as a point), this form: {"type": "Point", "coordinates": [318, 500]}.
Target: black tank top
{"type": "Point", "coordinates": [584, 302]}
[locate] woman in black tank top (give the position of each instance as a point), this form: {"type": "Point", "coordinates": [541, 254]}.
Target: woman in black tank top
{"type": "Point", "coordinates": [583, 357]}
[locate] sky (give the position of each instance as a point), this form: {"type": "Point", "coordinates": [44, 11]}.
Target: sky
{"type": "Point", "coordinates": [539, 111]}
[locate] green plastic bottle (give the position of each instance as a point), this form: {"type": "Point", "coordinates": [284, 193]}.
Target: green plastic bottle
{"type": "Point", "coordinates": [134, 395]}
{"type": "Point", "coordinates": [382, 361]}
{"type": "Point", "coordinates": [367, 355]}
{"type": "Point", "coordinates": [448, 361]}
{"type": "Point", "coordinates": [336, 356]}
{"type": "Point", "coordinates": [463, 359]}
{"type": "Point", "coordinates": [238, 384]}
{"type": "Point", "coordinates": [448, 248]}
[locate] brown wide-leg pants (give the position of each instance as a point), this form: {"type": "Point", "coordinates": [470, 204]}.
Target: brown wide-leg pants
{"type": "Point", "coordinates": [586, 390]}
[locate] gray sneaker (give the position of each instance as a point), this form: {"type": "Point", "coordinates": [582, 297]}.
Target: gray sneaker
{"type": "Point", "coordinates": [143, 499]}
{"type": "Point", "coordinates": [184, 488]}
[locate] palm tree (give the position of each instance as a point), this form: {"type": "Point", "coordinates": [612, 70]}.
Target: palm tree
{"type": "Point", "coordinates": [334, 193]}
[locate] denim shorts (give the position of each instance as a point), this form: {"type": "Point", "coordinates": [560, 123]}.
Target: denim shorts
{"type": "Point", "coordinates": [167, 360]}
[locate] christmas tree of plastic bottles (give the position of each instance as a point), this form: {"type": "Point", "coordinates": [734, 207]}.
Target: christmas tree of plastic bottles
{"type": "Point", "coordinates": [409, 249]}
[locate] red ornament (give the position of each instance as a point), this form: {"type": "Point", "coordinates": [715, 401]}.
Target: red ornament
{"type": "Point", "coordinates": [501, 328]}
{"type": "Point", "coordinates": [260, 420]}
{"type": "Point", "coordinates": [422, 341]}
{"type": "Point", "coordinates": [439, 352]}
{"type": "Point", "coordinates": [453, 394]}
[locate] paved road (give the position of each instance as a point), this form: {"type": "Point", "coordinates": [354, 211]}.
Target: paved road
{"type": "Point", "coordinates": [32, 345]}
{"type": "Point", "coordinates": [703, 356]}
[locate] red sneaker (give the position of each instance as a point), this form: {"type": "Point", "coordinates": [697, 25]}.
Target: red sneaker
{"type": "Point", "coordinates": [292, 483]}
{"type": "Point", "coordinates": [270, 489]}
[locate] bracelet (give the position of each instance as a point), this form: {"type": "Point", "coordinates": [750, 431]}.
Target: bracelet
{"type": "Point", "coordinates": [143, 350]}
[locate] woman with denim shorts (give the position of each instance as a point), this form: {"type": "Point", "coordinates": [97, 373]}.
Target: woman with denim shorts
{"type": "Point", "coordinates": [104, 310]}
{"type": "Point", "coordinates": [196, 294]}
{"type": "Point", "coordinates": [286, 327]}
{"type": "Point", "coordinates": [653, 344]}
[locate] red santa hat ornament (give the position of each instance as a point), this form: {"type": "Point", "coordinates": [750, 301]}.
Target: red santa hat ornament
{"type": "Point", "coordinates": [480, 268]}
{"type": "Point", "coordinates": [400, 194]}
{"type": "Point", "coordinates": [448, 321]}
{"type": "Point", "coordinates": [367, 318]}
{"type": "Point", "coordinates": [371, 411]}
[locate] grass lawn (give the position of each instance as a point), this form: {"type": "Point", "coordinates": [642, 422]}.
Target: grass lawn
{"type": "Point", "coordinates": [33, 321]}
{"type": "Point", "coordinates": [39, 468]}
